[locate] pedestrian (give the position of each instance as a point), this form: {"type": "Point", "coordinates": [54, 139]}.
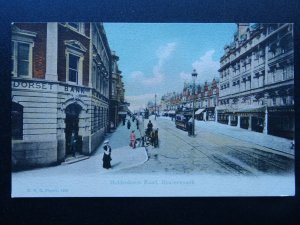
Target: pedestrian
{"type": "Point", "coordinates": [106, 155]}
{"type": "Point", "coordinates": [149, 127]}
{"type": "Point", "coordinates": [137, 124]}
{"type": "Point", "coordinates": [124, 119]}
{"type": "Point", "coordinates": [156, 138]}
{"type": "Point", "coordinates": [128, 124]}
{"type": "Point", "coordinates": [132, 139]}
{"type": "Point", "coordinates": [73, 144]}
{"type": "Point", "coordinates": [152, 137]}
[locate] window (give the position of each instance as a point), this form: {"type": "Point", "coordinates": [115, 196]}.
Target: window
{"type": "Point", "coordinates": [284, 73]}
{"type": "Point", "coordinates": [74, 56]}
{"type": "Point", "coordinates": [94, 75]}
{"type": "Point", "coordinates": [100, 117]}
{"type": "Point", "coordinates": [284, 101]}
{"type": "Point", "coordinates": [73, 68]}
{"type": "Point", "coordinates": [23, 59]}
{"type": "Point", "coordinates": [274, 101]}
{"type": "Point", "coordinates": [21, 46]}
{"type": "Point", "coordinates": [17, 121]}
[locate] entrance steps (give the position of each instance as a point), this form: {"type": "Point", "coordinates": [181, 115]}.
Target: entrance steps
{"type": "Point", "coordinates": [72, 159]}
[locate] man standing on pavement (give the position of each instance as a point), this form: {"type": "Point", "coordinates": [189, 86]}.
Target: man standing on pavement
{"type": "Point", "coordinates": [137, 124]}
{"type": "Point", "coordinates": [73, 144]}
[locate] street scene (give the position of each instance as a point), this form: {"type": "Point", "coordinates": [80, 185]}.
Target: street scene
{"type": "Point", "coordinates": [81, 127]}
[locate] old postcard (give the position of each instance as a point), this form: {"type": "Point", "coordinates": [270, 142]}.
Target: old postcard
{"type": "Point", "coordinates": [152, 109]}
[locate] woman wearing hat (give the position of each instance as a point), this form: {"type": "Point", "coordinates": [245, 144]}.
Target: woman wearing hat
{"type": "Point", "coordinates": [106, 155]}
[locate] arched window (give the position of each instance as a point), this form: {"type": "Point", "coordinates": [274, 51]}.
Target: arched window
{"type": "Point", "coordinates": [17, 121]}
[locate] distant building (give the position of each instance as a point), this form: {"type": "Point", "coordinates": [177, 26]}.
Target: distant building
{"type": "Point", "coordinates": [206, 99]}
{"type": "Point", "coordinates": [118, 106]}
{"type": "Point", "coordinates": [257, 79]}
{"type": "Point", "coordinates": [61, 75]}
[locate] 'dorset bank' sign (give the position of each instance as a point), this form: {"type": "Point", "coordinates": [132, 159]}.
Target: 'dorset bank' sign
{"type": "Point", "coordinates": [23, 84]}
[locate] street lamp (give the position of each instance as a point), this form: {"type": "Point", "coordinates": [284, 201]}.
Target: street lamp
{"type": "Point", "coordinates": [155, 107]}
{"type": "Point", "coordinates": [194, 76]}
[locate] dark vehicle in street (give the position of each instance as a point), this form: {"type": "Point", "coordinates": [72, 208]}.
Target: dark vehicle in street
{"type": "Point", "coordinates": [181, 121]}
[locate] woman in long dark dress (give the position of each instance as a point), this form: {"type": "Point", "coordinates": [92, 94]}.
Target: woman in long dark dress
{"type": "Point", "coordinates": [106, 155]}
{"type": "Point", "coordinates": [128, 124]}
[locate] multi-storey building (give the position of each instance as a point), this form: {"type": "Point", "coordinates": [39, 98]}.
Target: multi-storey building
{"type": "Point", "coordinates": [257, 79]}
{"type": "Point", "coordinates": [205, 100]}
{"type": "Point", "coordinates": [60, 86]}
{"type": "Point", "coordinates": [118, 107]}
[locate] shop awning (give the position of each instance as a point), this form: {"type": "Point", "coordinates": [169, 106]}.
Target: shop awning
{"type": "Point", "coordinates": [199, 111]}
{"type": "Point", "coordinates": [252, 110]}
{"type": "Point", "coordinates": [122, 113]}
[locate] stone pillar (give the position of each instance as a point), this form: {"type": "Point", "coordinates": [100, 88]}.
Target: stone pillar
{"type": "Point", "coordinates": [239, 121]}
{"type": "Point", "coordinates": [51, 51]}
{"type": "Point", "coordinates": [229, 120]}
{"type": "Point", "coordinates": [265, 130]}
{"type": "Point", "coordinates": [250, 123]}
{"type": "Point", "coordinates": [91, 56]}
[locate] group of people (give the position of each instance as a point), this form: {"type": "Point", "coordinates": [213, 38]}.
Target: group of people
{"type": "Point", "coordinates": [152, 134]}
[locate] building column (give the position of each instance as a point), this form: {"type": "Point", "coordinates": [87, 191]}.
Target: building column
{"type": "Point", "coordinates": [250, 123]}
{"type": "Point", "coordinates": [239, 121]}
{"type": "Point", "coordinates": [229, 120]}
{"type": "Point", "coordinates": [265, 130]}
{"type": "Point", "coordinates": [51, 51]}
{"type": "Point", "coordinates": [91, 56]}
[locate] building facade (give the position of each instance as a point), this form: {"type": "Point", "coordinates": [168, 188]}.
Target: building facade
{"type": "Point", "coordinates": [257, 79]}
{"type": "Point", "coordinates": [205, 99]}
{"type": "Point", "coordinates": [118, 106]}
{"type": "Point", "coordinates": [60, 87]}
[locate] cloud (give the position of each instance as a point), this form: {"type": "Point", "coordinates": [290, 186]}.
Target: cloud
{"type": "Point", "coordinates": [205, 66]}
{"type": "Point", "coordinates": [163, 54]}
{"type": "Point", "coordinates": [140, 101]}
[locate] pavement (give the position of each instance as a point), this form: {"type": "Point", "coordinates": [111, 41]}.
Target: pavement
{"type": "Point", "coordinates": [273, 142]}
{"type": "Point", "coordinates": [123, 156]}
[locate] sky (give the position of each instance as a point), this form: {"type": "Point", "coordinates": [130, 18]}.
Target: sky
{"type": "Point", "coordinates": [157, 58]}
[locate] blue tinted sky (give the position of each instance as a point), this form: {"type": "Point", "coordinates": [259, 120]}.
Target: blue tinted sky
{"type": "Point", "coordinates": [159, 57]}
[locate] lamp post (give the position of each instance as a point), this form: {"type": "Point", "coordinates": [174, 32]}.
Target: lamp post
{"type": "Point", "coordinates": [155, 108]}
{"type": "Point", "coordinates": [194, 76]}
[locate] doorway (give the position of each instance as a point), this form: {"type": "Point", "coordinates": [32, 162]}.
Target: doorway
{"type": "Point", "coordinates": [72, 126]}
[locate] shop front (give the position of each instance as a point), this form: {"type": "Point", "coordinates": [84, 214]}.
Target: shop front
{"type": "Point", "coordinates": [281, 121]}
{"type": "Point", "coordinates": [251, 118]}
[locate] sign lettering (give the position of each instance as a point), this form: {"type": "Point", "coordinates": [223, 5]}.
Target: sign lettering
{"type": "Point", "coordinates": [32, 85]}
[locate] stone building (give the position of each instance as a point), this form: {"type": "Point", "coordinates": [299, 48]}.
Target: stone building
{"type": "Point", "coordinates": [257, 79]}
{"type": "Point", "coordinates": [60, 85]}
{"type": "Point", "coordinates": [118, 106]}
